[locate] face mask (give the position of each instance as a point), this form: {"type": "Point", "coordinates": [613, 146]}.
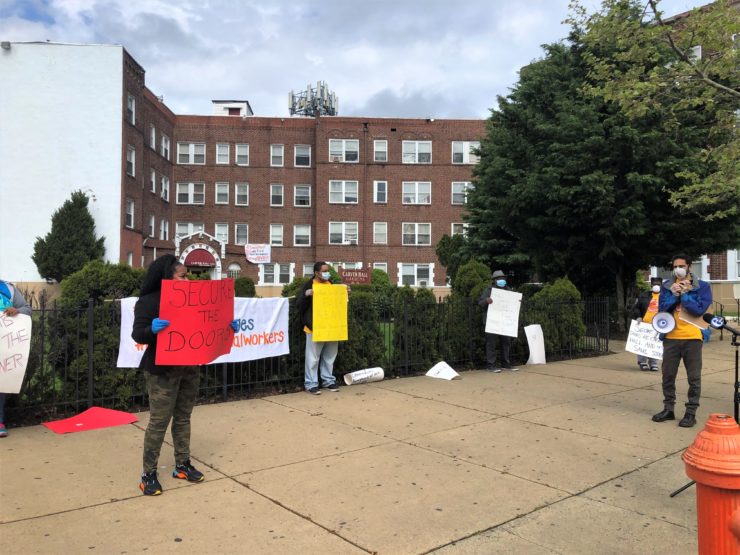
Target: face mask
{"type": "Point", "coordinates": [656, 288]}
{"type": "Point", "coordinates": [325, 276]}
{"type": "Point", "coordinates": [680, 273]}
{"type": "Point", "coordinates": [500, 283]}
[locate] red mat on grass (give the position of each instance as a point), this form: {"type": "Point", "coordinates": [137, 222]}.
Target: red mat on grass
{"type": "Point", "coordinates": [92, 419]}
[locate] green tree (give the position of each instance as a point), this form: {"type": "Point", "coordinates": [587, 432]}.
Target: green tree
{"type": "Point", "coordinates": [244, 287]}
{"type": "Point", "coordinates": [472, 277]}
{"type": "Point", "coordinates": [581, 189]}
{"type": "Point", "coordinates": [690, 63]}
{"type": "Point", "coordinates": [451, 255]}
{"type": "Point", "coordinates": [70, 243]}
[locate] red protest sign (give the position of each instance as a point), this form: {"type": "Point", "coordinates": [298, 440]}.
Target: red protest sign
{"type": "Point", "coordinates": [200, 315]}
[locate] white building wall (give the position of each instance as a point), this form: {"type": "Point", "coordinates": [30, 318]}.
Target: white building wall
{"type": "Point", "coordinates": [60, 131]}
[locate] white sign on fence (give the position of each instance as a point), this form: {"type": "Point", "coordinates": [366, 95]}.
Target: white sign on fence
{"type": "Point", "coordinates": [502, 317]}
{"type": "Point", "coordinates": [536, 340]}
{"type": "Point", "coordinates": [263, 331]}
{"type": "Point", "coordinates": [15, 344]}
{"type": "Point", "coordinates": [643, 340]}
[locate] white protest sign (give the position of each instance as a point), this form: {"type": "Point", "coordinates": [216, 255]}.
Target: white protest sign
{"type": "Point", "coordinates": [503, 312]}
{"type": "Point", "coordinates": [258, 253]}
{"type": "Point", "coordinates": [536, 340]}
{"type": "Point", "coordinates": [263, 331]}
{"type": "Point", "coordinates": [15, 344]}
{"type": "Point", "coordinates": [443, 370]}
{"type": "Point", "coordinates": [643, 340]}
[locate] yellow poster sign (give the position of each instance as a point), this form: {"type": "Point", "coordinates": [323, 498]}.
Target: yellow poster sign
{"type": "Point", "coordinates": [329, 312]}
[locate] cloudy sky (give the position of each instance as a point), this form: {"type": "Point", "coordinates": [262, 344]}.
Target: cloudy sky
{"type": "Point", "coordinates": [407, 58]}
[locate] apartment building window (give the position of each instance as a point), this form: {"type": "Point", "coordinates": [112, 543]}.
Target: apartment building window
{"type": "Point", "coordinates": [415, 275]}
{"type": "Point", "coordinates": [459, 229]}
{"type": "Point", "coordinates": [415, 234]}
{"type": "Point", "coordinates": [153, 181]}
{"type": "Point", "coordinates": [241, 234]}
{"type": "Point", "coordinates": [380, 192]}
{"type": "Point", "coordinates": [277, 155]}
{"type": "Point", "coordinates": [302, 156]}
{"type": "Point", "coordinates": [308, 270]}
{"type": "Point", "coordinates": [191, 153]}
{"type": "Point", "coordinates": [242, 154]}
{"type": "Point", "coordinates": [222, 153]}
{"type": "Point", "coordinates": [221, 232]}
{"type": "Point", "coordinates": [276, 274]}
{"type": "Point", "coordinates": [191, 193]}
{"type": "Point", "coordinates": [460, 191]}
{"type": "Point", "coordinates": [131, 161]}
{"type": "Point", "coordinates": [164, 230]}
{"type": "Point", "coordinates": [165, 193]}
{"type": "Point", "coordinates": [417, 152]}
{"type": "Point", "coordinates": [380, 233]}
{"type": "Point", "coordinates": [302, 196]}
{"type": "Point", "coordinates": [380, 151]}
{"type": "Point", "coordinates": [152, 136]}
{"type": "Point", "coordinates": [183, 229]}
{"type": "Point", "coordinates": [222, 193]}
{"type": "Point", "coordinates": [301, 235]}
{"type": "Point", "coordinates": [380, 266]}
{"type": "Point", "coordinates": [276, 235]}
{"type": "Point", "coordinates": [463, 152]}
{"type": "Point", "coordinates": [343, 233]}
{"type": "Point", "coordinates": [241, 194]}
{"type": "Point", "coordinates": [152, 225]}
{"type": "Point", "coordinates": [131, 109]}
{"type": "Point", "coordinates": [276, 195]}
{"type": "Point", "coordinates": [343, 192]}
{"type": "Point", "coordinates": [129, 212]}
{"type": "Point", "coordinates": [344, 150]}
{"type": "Point", "coordinates": [234, 271]}
{"type": "Point", "coordinates": [165, 147]}
{"type": "Point", "coordinates": [417, 192]}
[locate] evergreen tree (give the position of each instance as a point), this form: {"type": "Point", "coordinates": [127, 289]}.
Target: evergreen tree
{"type": "Point", "coordinates": [571, 183]}
{"type": "Point", "coordinates": [71, 243]}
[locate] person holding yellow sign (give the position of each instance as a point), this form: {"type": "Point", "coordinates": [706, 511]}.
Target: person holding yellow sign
{"type": "Point", "coordinates": [323, 310]}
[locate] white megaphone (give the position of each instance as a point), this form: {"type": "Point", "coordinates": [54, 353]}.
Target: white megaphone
{"type": "Point", "coordinates": [664, 322]}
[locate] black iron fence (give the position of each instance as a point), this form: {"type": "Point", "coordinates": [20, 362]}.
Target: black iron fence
{"type": "Point", "coordinates": [72, 364]}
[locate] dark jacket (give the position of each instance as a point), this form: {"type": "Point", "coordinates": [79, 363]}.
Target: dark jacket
{"type": "Point", "coordinates": [641, 304]}
{"type": "Point", "coordinates": [304, 304]}
{"type": "Point", "coordinates": [146, 310]}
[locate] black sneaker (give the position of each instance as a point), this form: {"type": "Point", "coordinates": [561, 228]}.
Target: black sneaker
{"type": "Point", "coordinates": [314, 391]}
{"type": "Point", "coordinates": [332, 387]}
{"type": "Point", "coordinates": [187, 471]}
{"type": "Point", "coordinates": [508, 366]}
{"type": "Point", "coordinates": [149, 484]}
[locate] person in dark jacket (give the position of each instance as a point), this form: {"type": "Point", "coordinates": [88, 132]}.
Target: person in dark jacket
{"type": "Point", "coordinates": [499, 281]}
{"type": "Point", "coordinates": [644, 310]}
{"type": "Point", "coordinates": [172, 390]}
{"type": "Point", "coordinates": [320, 355]}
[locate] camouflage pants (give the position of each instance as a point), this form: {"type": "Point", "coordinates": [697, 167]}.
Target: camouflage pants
{"type": "Point", "coordinates": [171, 397]}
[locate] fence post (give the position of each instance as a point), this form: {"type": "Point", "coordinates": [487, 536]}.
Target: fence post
{"type": "Point", "coordinates": [90, 350]}
{"type": "Point", "coordinates": [224, 388]}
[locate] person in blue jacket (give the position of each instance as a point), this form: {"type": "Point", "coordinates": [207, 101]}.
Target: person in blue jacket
{"type": "Point", "coordinates": [683, 293]}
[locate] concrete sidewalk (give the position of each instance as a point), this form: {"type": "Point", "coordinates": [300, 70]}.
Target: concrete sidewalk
{"type": "Point", "coordinates": [560, 458]}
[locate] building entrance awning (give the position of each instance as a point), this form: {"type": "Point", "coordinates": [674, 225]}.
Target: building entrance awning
{"type": "Point", "coordinates": [201, 258]}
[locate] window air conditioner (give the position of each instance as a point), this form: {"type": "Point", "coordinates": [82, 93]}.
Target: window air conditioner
{"type": "Point", "coordinates": [336, 158]}
{"type": "Point", "coordinates": [352, 242]}
{"type": "Point", "coordinates": [422, 283]}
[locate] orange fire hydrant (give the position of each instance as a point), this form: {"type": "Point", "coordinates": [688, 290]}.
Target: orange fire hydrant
{"type": "Point", "coordinates": [713, 462]}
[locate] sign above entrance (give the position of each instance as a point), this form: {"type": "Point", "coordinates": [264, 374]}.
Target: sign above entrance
{"type": "Point", "coordinates": [200, 257]}
{"type": "Point", "coordinates": [354, 276]}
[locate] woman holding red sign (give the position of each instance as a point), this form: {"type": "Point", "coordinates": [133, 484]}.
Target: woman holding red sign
{"type": "Point", "coordinates": [172, 390]}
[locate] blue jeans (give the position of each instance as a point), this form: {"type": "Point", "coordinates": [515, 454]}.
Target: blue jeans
{"type": "Point", "coordinates": [320, 356]}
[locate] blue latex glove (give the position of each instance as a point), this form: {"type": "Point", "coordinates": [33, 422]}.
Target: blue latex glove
{"type": "Point", "coordinates": [158, 324]}
{"type": "Point", "coordinates": [235, 325]}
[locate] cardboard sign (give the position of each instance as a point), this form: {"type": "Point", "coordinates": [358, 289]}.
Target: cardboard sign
{"type": "Point", "coordinates": [536, 341]}
{"type": "Point", "coordinates": [502, 317]}
{"type": "Point", "coordinates": [643, 340]}
{"type": "Point", "coordinates": [15, 344]}
{"type": "Point", "coordinates": [200, 315]}
{"type": "Point", "coordinates": [329, 312]}
{"type": "Point", "coordinates": [263, 331]}
{"type": "Point", "coordinates": [257, 253]}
